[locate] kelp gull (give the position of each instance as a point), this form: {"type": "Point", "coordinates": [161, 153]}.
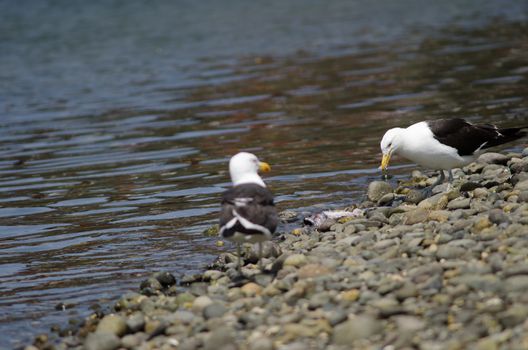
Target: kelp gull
{"type": "Point", "coordinates": [248, 213]}
{"type": "Point", "coordinates": [444, 144]}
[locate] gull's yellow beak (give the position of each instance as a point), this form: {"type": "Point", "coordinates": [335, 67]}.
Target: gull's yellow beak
{"type": "Point", "coordinates": [264, 167]}
{"type": "Point", "coordinates": [385, 160]}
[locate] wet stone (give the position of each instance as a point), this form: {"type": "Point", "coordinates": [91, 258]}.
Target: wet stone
{"type": "Point", "coordinates": [288, 216]}
{"type": "Point", "coordinates": [166, 279]}
{"type": "Point", "coordinates": [386, 199]}
{"type": "Point", "coordinates": [377, 189]}
{"type": "Point", "coordinates": [150, 284]}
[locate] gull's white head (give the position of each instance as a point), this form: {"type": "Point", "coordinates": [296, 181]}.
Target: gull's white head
{"type": "Point", "coordinates": [244, 167]}
{"type": "Point", "coordinates": [390, 143]}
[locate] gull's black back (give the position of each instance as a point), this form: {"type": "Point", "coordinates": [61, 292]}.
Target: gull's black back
{"type": "Point", "coordinates": [467, 138]}
{"type": "Point", "coordinates": [252, 202]}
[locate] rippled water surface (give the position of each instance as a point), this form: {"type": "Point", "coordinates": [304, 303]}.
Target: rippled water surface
{"type": "Point", "coordinates": [117, 120]}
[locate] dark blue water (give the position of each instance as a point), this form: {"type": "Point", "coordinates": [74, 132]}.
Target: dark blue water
{"type": "Point", "coordinates": [117, 119]}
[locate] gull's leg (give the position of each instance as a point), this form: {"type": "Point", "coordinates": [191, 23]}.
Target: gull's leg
{"type": "Point", "coordinates": [426, 192]}
{"type": "Point", "coordinates": [260, 255]}
{"type": "Point", "coordinates": [450, 178]}
{"type": "Point", "coordinates": [239, 253]}
{"type": "Point", "coordinates": [441, 179]}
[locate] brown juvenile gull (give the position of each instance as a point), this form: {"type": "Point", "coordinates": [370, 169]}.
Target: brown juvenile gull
{"type": "Point", "coordinates": [444, 144]}
{"type": "Point", "coordinates": [248, 213]}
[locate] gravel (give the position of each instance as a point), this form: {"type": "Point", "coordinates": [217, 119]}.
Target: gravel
{"type": "Point", "coordinates": [445, 272]}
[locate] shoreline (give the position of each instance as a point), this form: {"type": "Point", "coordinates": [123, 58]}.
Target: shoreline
{"type": "Point", "coordinates": [446, 272]}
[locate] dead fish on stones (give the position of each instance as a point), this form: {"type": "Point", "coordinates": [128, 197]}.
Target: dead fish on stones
{"type": "Point", "coordinates": [322, 221]}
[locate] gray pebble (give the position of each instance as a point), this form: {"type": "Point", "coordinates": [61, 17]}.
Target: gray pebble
{"type": "Point", "coordinates": [459, 203]}
{"type": "Point", "coordinates": [101, 341]}
{"type": "Point", "coordinates": [450, 252]}
{"type": "Point", "coordinates": [113, 324]}
{"type": "Point", "coordinates": [359, 327]}
{"type": "Point", "coordinates": [377, 189]}
{"type": "Point", "coordinates": [166, 279]}
{"type": "Point", "coordinates": [493, 158]}
{"type": "Point", "coordinates": [135, 322]}
{"type": "Point", "coordinates": [151, 283]}
{"type": "Point", "coordinates": [497, 216]}
{"type": "Point", "coordinates": [220, 338]}
{"type": "Point", "coordinates": [216, 309]}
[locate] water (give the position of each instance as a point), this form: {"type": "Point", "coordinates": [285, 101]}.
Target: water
{"type": "Point", "coordinates": [117, 120]}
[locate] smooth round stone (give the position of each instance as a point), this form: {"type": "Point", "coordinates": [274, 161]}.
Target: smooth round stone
{"type": "Point", "coordinates": [415, 216]}
{"type": "Point", "coordinates": [523, 196]}
{"type": "Point", "coordinates": [357, 328]}
{"type": "Point", "coordinates": [216, 309]}
{"type": "Point", "coordinates": [200, 303]}
{"type": "Point", "coordinates": [130, 341]}
{"type": "Point", "coordinates": [295, 260]}
{"type": "Point", "coordinates": [136, 322]}
{"type": "Point", "coordinates": [386, 199]}
{"type": "Point", "coordinates": [497, 216]}
{"type": "Point", "coordinates": [414, 196]}
{"type": "Point", "coordinates": [113, 324]}
{"type": "Point", "coordinates": [521, 186]}
{"type": "Point", "coordinates": [493, 158]}
{"type": "Point", "coordinates": [251, 289]}
{"type": "Point", "coordinates": [459, 203]}
{"type": "Point", "coordinates": [212, 275]}
{"type": "Point", "coordinates": [166, 279]}
{"type": "Point", "coordinates": [449, 252]}
{"type": "Point", "coordinates": [151, 283]}
{"type": "Point", "coordinates": [261, 343]}
{"type": "Point", "coordinates": [101, 341]}
{"type": "Point", "coordinates": [377, 189]}
{"type": "Point", "coordinates": [438, 201]}
{"type": "Point", "coordinates": [220, 338]}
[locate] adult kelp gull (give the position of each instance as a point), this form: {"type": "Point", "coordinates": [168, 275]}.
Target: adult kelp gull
{"type": "Point", "coordinates": [444, 144]}
{"type": "Point", "coordinates": [248, 213]}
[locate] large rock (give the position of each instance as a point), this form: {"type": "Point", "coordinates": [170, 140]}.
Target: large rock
{"type": "Point", "coordinates": [378, 189]}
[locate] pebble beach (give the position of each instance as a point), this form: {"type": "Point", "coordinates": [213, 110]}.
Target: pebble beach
{"type": "Point", "coordinates": [445, 272]}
